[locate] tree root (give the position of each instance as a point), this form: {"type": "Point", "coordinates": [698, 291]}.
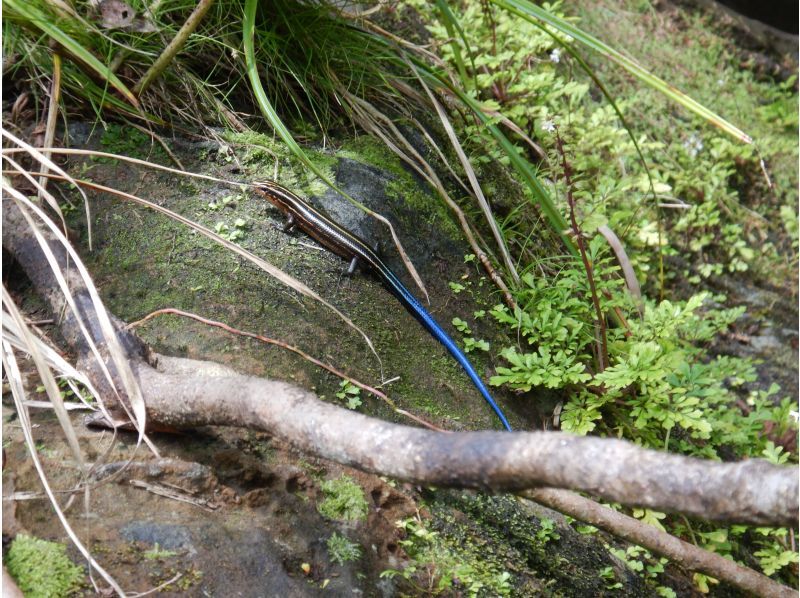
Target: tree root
{"type": "Point", "coordinates": [642, 534]}
{"type": "Point", "coordinates": [752, 491]}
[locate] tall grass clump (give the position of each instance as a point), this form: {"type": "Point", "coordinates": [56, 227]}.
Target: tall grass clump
{"type": "Point", "coordinates": [306, 54]}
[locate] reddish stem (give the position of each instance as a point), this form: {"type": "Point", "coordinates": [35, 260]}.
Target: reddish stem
{"type": "Point", "coordinates": [602, 355]}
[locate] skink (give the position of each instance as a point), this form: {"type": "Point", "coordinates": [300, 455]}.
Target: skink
{"type": "Point", "coordinates": [347, 245]}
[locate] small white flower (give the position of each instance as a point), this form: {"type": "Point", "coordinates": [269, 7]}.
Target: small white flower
{"type": "Point", "coordinates": [555, 55]}
{"type": "Point", "coordinates": [693, 145]}
{"type": "Point", "coordinates": [549, 126]}
{"type": "Point", "coordinates": [794, 415]}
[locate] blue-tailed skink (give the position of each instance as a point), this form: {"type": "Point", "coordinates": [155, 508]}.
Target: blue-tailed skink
{"type": "Point", "coordinates": [347, 245]}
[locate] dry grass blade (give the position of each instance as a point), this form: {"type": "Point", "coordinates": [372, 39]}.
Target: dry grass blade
{"type": "Point", "coordinates": [12, 334]}
{"type": "Point", "coordinates": [174, 494]}
{"type": "Point", "coordinates": [402, 252]}
{"type": "Point", "coordinates": [158, 588]}
{"type": "Point", "coordinates": [18, 392]}
{"type": "Point", "coordinates": [52, 111]}
{"type": "Point", "coordinates": [43, 193]}
{"type": "Point", "coordinates": [514, 128]}
{"type": "Point", "coordinates": [473, 181]}
{"type": "Point", "coordinates": [29, 345]}
{"type": "Point", "coordinates": [67, 151]}
{"type": "Point", "coordinates": [540, 195]}
{"type": "Point", "coordinates": [9, 587]}
{"type": "Point", "coordinates": [432, 144]}
{"type": "Point", "coordinates": [625, 263]}
{"type": "Point", "coordinates": [276, 273]}
{"type": "Point", "coordinates": [422, 51]}
{"type": "Point", "coordinates": [116, 353]}
{"type": "Point", "coordinates": [164, 145]}
{"type": "Point", "coordinates": [68, 405]}
{"type": "Point", "coordinates": [48, 163]}
{"type": "Point", "coordinates": [369, 117]}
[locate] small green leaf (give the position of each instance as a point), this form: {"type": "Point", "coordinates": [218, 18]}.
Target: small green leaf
{"type": "Point", "coordinates": [456, 287]}
{"type": "Point", "coordinates": [461, 326]}
{"type": "Point", "coordinates": [471, 344]}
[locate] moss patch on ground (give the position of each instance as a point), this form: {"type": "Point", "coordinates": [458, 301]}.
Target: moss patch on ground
{"type": "Point", "coordinates": [419, 201]}
{"type": "Point", "coordinates": [344, 500]}
{"type": "Point", "coordinates": [42, 569]}
{"type": "Point", "coordinates": [501, 534]}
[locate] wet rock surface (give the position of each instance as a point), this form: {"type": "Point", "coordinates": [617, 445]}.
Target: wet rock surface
{"type": "Point", "coordinates": [767, 332]}
{"type": "Point", "coordinates": [265, 536]}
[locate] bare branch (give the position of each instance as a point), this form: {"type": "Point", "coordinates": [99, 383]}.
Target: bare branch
{"type": "Point", "coordinates": [750, 491]}
{"type": "Point", "coordinates": [173, 47]}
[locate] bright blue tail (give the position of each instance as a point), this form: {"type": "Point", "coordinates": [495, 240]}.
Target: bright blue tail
{"type": "Point", "coordinates": [426, 319]}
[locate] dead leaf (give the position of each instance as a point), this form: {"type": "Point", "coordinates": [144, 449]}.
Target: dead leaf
{"type": "Point", "coordinates": [116, 14]}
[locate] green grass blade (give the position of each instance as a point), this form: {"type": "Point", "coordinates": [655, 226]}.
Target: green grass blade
{"type": "Point", "coordinates": [453, 27]}
{"type": "Point", "coordinates": [99, 98]}
{"type": "Point", "coordinates": [43, 23]}
{"type": "Point", "coordinates": [266, 106]}
{"type": "Point", "coordinates": [522, 166]}
{"type": "Point", "coordinates": [530, 12]}
{"type": "Point", "coordinates": [264, 103]}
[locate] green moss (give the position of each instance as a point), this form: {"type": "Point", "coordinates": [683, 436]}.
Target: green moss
{"type": "Point", "coordinates": [422, 204]}
{"type": "Point", "coordinates": [508, 534]}
{"type": "Point", "coordinates": [442, 565]}
{"type": "Point", "coordinates": [157, 553]}
{"type": "Point", "coordinates": [262, 151]}
{"type": "Point", "coordinates": [42, 569]}
{"type": "Point", "coordinates": [270, 145]}
{"type": "Point", "coordinates": [127, 141]}
{"type": "Point", "coordinates": [191, 578]}
{"type": "Point", "coordinates": [344, 499]}
{"type": "Point", "coordinates": [326, 164]}
{"type": "Point", "coordinates": [369, 150]}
